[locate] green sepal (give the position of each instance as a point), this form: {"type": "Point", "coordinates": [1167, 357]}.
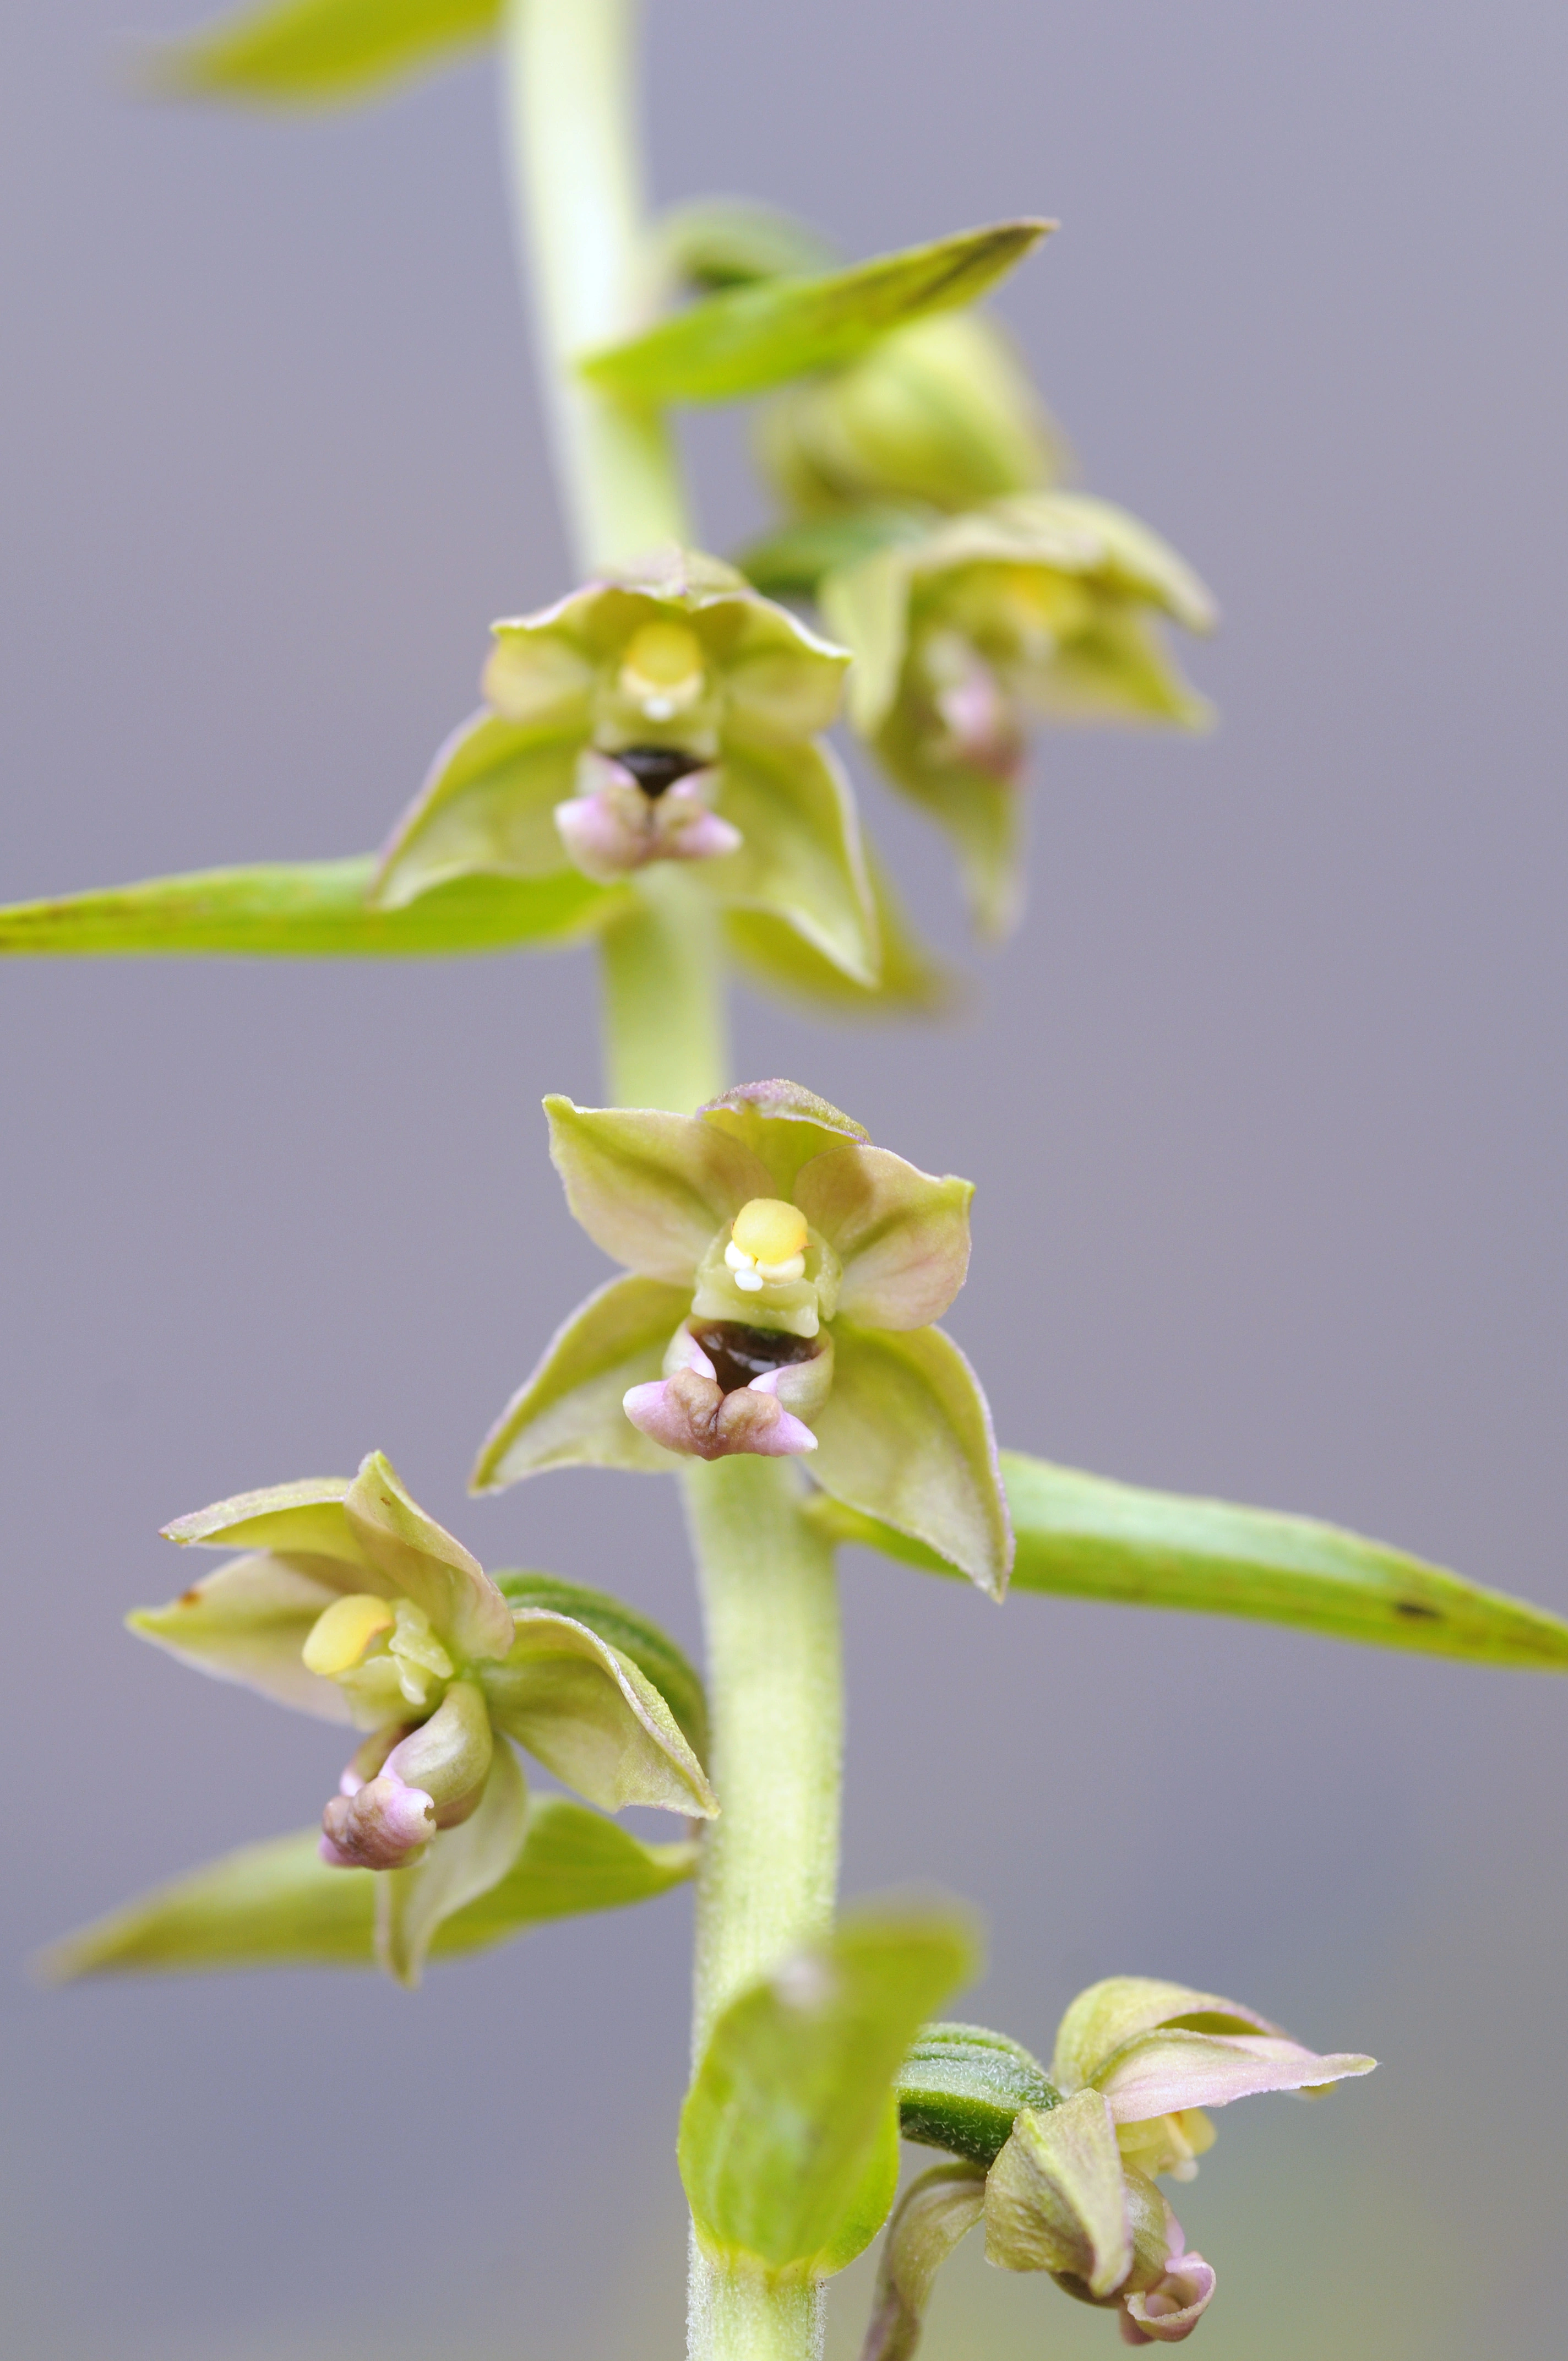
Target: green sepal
{"type": "Point", "coordinates": [277, 1905]}
{"type": "Point", "coordinates": [318, 53]}
{"type": "Point", "coordinates": [745, 342]}
{"type": "Point", "coordinates": [305, 909]}
{"type": "Point", "coordinates": [717, 242]}
{"type": "Point", "coordinates": [458, 1866]}
{"type": "Point", "coordinates": [785, 2132]}
{"type": "Point", "coordinates": [567, 1414]}
{"type": "Point", "coordinates": [801, 859]}
{"type": "Point", "coordinates": [487, 808]}
{"type": "Point", "coordinates": [906, 1434]}
{"type": "Point", "coordinates": [1090, 1537]}
{"type": "Point", "coordinates": [774, 957]}
{"type": "Point", "coordinates": [635, 1635]}
{"type": "Point", "coordinates": [590, 1715]}
{"type": "Point", "coordinates": [960, 2088]}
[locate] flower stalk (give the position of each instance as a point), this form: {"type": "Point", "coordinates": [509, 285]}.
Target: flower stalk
{"type": "Point", "coordinates": [770, 1868]}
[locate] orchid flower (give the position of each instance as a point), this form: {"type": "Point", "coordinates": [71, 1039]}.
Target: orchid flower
{"type": "Point", "coordinates": [1035, 605]}
{"type": "Point", "coordinates": [784, 1275]}
{"type": "Point", "coordinates": [1061, 2166]}
{"type": "Point", "coordinates": [668, 714]}
{"type": "Point", "coordinates": [349, 1603]}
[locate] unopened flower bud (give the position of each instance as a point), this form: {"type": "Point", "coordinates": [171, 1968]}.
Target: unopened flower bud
{"type": "Point", "coordinates": [941, 412]}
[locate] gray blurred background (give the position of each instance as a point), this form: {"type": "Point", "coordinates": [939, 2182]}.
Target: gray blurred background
{"type": "Point", "coordinates": [1263, 1109]}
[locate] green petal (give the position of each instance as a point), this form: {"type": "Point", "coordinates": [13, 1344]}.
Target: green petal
{"type": "Point", "coordinates": [300, 910]}
{"type": "Point", "coordinates": [278, 1904]}
{"type": "Point", "coordinates": [1090, 1537]}
{"type": "Point", "coordinates": [934, 2213]}
{"type": "Point", "coordinates": [1116, 669]}
{"type": "Point", "coordinates": [801, 858]}
{"type": "Point", "coordinates": [1119, 2008]}
{"type": "Point", "coordinates": [248, 1622]}
{"type": "Point", "coordinates": [315, 53]}
{"type": "Point", "coordinates": [746, 341]}
{"type": "Point", "coordinates": [983, 818]}
{"type": "Point", "coordinates": [591, 1716]}
{"type": "Point", "coordinates": [568, 1413]}
{"type": "Point", "coordinates": [1054, 2199]}
{"type": "Point", "coordinates": [652, 1189]}
{"type": "Point", "coordinates": [712, 242]}
{"type": "Point", "coordinates": [787, 2115]}
{"type": "Point", "coordinates": [774, 959]}
{"type": "Point", "coordinates": [905, 1437]}
{"type": "Point", "coordinates": [459, 1865]}
{"type": "Point", "coordinates": [424, 1561]}
{"type": "Point", "coordinates": [652, 1650]}
{"type": "Point", "coordinates": [902, 1235]}
{"type": "Point", "coordinates": [961, 2088]}
{"type": "Point", "coordinates": [487, 808]}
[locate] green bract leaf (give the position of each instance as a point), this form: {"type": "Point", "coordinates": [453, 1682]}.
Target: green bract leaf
{"type": "Point", "coordinates": [568, 1414]}
{"type": "Point", "coordinates": [278, 1904]}
{"type": "Point", "coordinates": [717, 242]}
{"type": "Point", "coordinates": [905, 1435]}
{"type": "Point", "coordinates": [961, 2087]}
{"type": "Point", "coordinates": [316, 53]}
{"type": "Point", "coordinates": [1089, 1537]}
{"type": "Point", "coordinates": [300, 910]}
{"type": "Point", "coordinates": [786, 2122]}
{"type": "Point", "coordinates": [737, 345]}
{"type": "Point", "coordinates": [790, 562]}
{"type": "Point", "coordinates": [593, 1718]}
{"type": "Point", "coordinates": [650, 1648]}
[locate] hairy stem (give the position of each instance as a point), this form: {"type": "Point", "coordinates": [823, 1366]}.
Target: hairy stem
{"type": "Point", "coordinates": [770, 1866]}
{"type": "Point", "coordinates": [568, 75]}
{"type": "Point", "coordinates": [663, 1005]}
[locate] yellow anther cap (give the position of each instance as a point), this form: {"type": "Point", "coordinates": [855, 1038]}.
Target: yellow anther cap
{"type": "Point", "coordinates": [665, 659]}
{"type": "Point", "coordinates": [342, 1632]}
{"type": "Point", "coordinates": [768, 1230]}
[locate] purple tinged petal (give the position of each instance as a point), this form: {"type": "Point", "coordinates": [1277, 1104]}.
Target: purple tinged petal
{"type": "Point", "coordinates": [902, 1235]}
{"type": "Point", "coordinates": [383, 1825]}
{"type": "Point", "coordinates": [1168, 2312]}
{"type": "Point", "coordinates": [1162, 2072]}
{"type": "Point", "coordinates": [1107, 2014]}
{"type": "Point", "coordinates": [689, 1414]}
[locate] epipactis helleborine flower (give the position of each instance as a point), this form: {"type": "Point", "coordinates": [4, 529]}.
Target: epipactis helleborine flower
{"type": "Point", "coordinates": [351, 1604]}
{"type": "Point", "coordinates": [784, 1278]}
{"type": "Point", "coordinates": [1069, 2173]}
{"type": "Point", "coordinates": [670, 713]}
{"type": "Point", "coordinates": [939, 412]}
{"type": "Point", "coordinates": [1037, 605]}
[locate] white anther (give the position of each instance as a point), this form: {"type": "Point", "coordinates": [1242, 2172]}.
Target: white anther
{"type": "Point", "coordinates": [660, 708]}
{"type": "Point", "coordinates": [750, 1281]}
{"type": "Point", "coordinates": [737, 1258]}
{"type": "Point", "coordinates": [777, 1272]}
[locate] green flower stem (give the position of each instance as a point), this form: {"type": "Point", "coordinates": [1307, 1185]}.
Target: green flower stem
{"type": "Point", "coordinates": [663, 1000]}
{"type": "Point", "coordinates": [567, 71]}
{"type": "Point", "coordinates": [769, 1864]}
